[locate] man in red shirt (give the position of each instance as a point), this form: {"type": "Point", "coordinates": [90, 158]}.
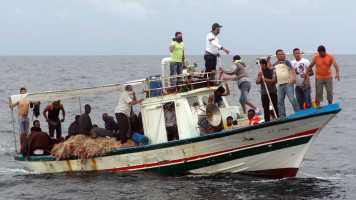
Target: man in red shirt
{"type": "Point", "coordinates": [323, 74]}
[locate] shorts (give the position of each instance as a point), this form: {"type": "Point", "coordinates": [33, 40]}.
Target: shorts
{"type": "Point", "coordinates": [245, 89]}
{"type": "Point", "coordinates": [23, 124]}
{"type": "Point", "coordinates": [319, 87]}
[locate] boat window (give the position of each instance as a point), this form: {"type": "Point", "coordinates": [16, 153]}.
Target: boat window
{"type": "Point", "coordinates": [193, 103]}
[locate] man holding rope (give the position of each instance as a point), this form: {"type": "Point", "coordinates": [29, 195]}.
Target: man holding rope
{"type": "Point", "coordinates": [212, 48]}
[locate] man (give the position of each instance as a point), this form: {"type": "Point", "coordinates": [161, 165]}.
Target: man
{"type": "Point", "coordinates": [243, 82]}
{"type": "Point", "coordinates": [110, 123]}
{"type": "Point", "coordinates": [212, 48]}
{"type": "Point", "coordinates": [285, 79]}
{"type": "Point", "coordinates": [323, 74]}
{"type": "Point", "coordinates": [171, 122]}
{"type": "Point", "coordinates": [22, 115]}
{"type": "Point", "coordinates": [253, 119]}
{"type": "Point", "coordinates": [270, 78]}
{"type": "Point", "coordinates": [73, 128]}
{"type": "Point", "coordinates": [54, 123]}
{"type": "Point", "coordinates": [177, 55]}
{"type": "Point", "coordinates": [36, 126]}
{"type": "Point", "coordinates": [123, 110]}
{"type": "Point", "coordinates": [229, 122]}
{"type": "Point", "coordinates": [85, 124]}
{"type": "Point", "coordinates": [216, 97]}
{"type": "Point", "coordinates": [300, 66]}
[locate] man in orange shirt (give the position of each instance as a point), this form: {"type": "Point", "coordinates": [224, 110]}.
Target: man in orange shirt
{"type": "Point", "coordinates": [323, 74]}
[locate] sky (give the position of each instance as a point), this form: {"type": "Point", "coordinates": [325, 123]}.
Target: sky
{"type": "Point", "coordinates": [146, 27]}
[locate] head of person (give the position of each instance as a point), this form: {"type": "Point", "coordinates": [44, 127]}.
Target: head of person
{"type": "Point", "coordinates": [236, 58]}
{"type": "Point", "coordinates": [251, 114]}
{"type": "Point", "coordinates": [215, 28]}
{"type": "Point", "coordinates": [322, 51]}
{"type": "Point", "coordinates": [111, 120]}
{"type": "Point", "coordinates": [296, 53]}
{"type": "Point", "coordinates": [229, 121]}
{"type": "Point", "coordinates": [105, 117]}
{"type": "Point", "coordinates": [178, 37]}
{"type": "Point", "coordinates": [263, 63]}
{"type": "Point", "coordinates": [36, 123]}
{"type": "Point", "coordinates": [87, 108]}
{"type": "Point", "coordinates": [56, 104]}
{"type": "Point", "coordinates": [169, 106]}
{"type": "Point", "coordinates": [77, 118]}
{"type": "Point", "coordinates": [220, 91]}
{"type": "Point", "coordinates": [128, 88]}
{"type": "Point", "coordinates": [36, 129]}
{"type": "Point", "coordinates": [280, 55]}
{"type": "Point", "coordinates": [23, 90]}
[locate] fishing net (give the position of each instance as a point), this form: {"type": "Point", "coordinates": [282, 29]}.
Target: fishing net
{"type": "Point", "coordinates": [85, 147]}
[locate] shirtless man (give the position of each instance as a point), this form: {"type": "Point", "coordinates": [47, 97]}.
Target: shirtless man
{"type": "Point", "coordinates": [53, 118]}
{"type": "Point", "coordinates": [23, 106]}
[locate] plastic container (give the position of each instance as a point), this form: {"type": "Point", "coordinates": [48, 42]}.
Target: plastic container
{"type": "Point", "coordinates": [139, 138]}
{"type": "Point", "coordinates": [154, 85]}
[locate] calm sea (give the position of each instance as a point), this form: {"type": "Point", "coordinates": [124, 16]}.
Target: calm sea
{"type": "Point", "coordinates": [327, 172]}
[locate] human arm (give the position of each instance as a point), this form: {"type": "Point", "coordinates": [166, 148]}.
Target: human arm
{"type": "Point", "coordinates": [259, 78]}
{"type": "Point", "coordinates": [11, 105]}
{"type": "Point", "coordinates": [337, 76]}
{"type": "Point", "coordinates": [211, 98]}
{"type": "Point", "coordinates": [45, 111]}
{"type": "Point", "coordinates": [183, 61]}
{"type": "Point", "coordinates": [227, 88]}
{"type": "Point", "coordinates": [134, 100]}
{"type": "Point", "coordinates": [293, 75]}
{"type": "Point", "coordinates": [310, 67]}
{"type": "Point", "coordinates": [269, 65]}
{"type": "Point", "coordinates": [63, 113]}
{"type": "Point", "coordinates": [171, 48]}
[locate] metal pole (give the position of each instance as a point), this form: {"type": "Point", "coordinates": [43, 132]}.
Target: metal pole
{"type": "Point", "coordinates": [80, 106]}
{"type": "Point", "coordinates": [13, 125]}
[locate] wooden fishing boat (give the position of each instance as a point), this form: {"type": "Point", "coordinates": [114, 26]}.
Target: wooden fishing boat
{"type": "Point", "coordinates": [275, 148]}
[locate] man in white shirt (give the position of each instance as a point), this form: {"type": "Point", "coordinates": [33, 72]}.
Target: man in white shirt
{"type": "Point", "coordinates": [212, 48]}
{"type": "Point", "coordinates": [171, 122]}
{"type": "Point", "coordinates": [300, 66]}
{"type": "Point", "coordinates": [123, 110]}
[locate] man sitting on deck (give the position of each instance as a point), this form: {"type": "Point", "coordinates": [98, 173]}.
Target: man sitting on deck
{"type": "Point", "coordinates": [216, 97]}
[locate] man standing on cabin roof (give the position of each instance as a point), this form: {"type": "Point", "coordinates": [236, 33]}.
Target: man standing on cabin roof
{"type": "Point", "coordinates": [323, 74]}
{"type": "Point", "coordinates": [177, 55]}
{"type": "Point", "coordinates": [285, 79]}
{"type": "Point", "coordinates": [123, 110]}
{"type": "Point", "coordinates": [85, 124]}
{"type": "Point", "coordinates": [54, 123]}
{"type": "Point", "coordinates": [212, 48]}
{"type": "Point", "coordinates": [23, 106]}
{"type": "Point", "coordinates": [300, 66]}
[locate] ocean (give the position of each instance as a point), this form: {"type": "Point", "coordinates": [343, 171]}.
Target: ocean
{"type": "Point", "coordinates": [327, 172]}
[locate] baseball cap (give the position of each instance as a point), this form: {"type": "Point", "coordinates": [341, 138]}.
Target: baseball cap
{"type": "Point", "coordinates": [215, 25]}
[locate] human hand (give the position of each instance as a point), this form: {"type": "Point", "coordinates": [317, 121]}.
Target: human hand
{"type": "Point", "coordinates": [226, 51]}
{"type": "Point", "coordinates": [218, 55]}
{"type": "Point", "coordinates": [269, 57]}
{"type": "Point", "coordinates": [293, 80]}
{"type": "Point", "coordinates": [221, 69]}
{"type": "Point", "coordinates": [62, 120]}
{"type": "Point", "coordinates": [260, 73]}
{"type": "Point", "coordinates": [337, 77]}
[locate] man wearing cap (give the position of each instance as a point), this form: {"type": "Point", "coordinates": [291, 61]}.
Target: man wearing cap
{"type": "Point", "coordinates": [212, 48]}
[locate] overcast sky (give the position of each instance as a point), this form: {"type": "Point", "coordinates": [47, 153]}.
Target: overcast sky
{"type": "Point", "coordinates": [146, 27]}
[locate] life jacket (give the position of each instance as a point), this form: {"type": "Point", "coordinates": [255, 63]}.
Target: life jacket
{"type": "Point", "coordinates": [253, 121]}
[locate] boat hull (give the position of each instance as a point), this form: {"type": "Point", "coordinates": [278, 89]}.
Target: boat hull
{"type": "Point", "coordinates": [274, 148]}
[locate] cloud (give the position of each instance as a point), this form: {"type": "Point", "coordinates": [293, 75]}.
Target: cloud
{"type": "Point", "coordinates": [63, 14]}
{"type": "Point", "coordinates": [131, 9]}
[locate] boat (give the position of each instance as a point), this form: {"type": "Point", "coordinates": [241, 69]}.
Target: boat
{"type": "Point", "coordinates": [274, 149]}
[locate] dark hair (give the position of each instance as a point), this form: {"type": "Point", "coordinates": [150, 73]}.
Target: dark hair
{"type": "Point", "coordinates": [77, 117]}
{"type": "Point", "coordinates": [220, 89]}
{"type": "Point", "coordinates": [35, 122]}
{"type": "Point", "coordinates": [263, 61]}
{"type": "Point", "coordinates": [252, 110]}
{"type": "Point", "coordinates": [127, 87]}
{"type": "Point", "coordinates": [229, 117]}
{"type": "Point", "coordinates": [22, 89]}
{"type": "Point", "coordinates": [296, 49]}
{"type": "Point", "coordinates": [321, 48]}
{"type": "Point", "coordinates": [278, 50]}
{"type": "Point", "coordinates": [87, 106]}
{"type": "Point", "coordinates": [177, 33]}
{"type": "Point", "coordinates": [237, 57]}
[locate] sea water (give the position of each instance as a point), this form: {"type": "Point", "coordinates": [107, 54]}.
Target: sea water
{"type": "Point", "coordinates": [327, 172]}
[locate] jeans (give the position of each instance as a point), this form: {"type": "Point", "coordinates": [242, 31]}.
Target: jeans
{"type": "Point", "coordinates": [245, 89]}
{"type": "Point", "coordinates": [283, 90]}
{"type": "Point", "coordinates": [58, 128]}
{"type": "Point", "coordinates": [266, 103]}
{"type": "Point", "coordinates": [176, 68]}
{"type": "Point", "coordinates": [303, 97]}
